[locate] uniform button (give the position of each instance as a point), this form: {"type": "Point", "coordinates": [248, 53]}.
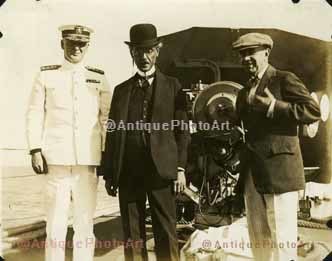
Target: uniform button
{"type": "Point", "coordinates": [75, 98]}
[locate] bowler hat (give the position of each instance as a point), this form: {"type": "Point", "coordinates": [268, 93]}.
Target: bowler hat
{"type": "Point", "coordinates": [252, 40]}
{"type": "Point", "coordinates": [143, 35]}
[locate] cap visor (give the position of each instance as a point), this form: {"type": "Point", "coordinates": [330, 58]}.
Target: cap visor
{"type": "Point", "coordinates": [77, 39]}
{"type": "Point", "coordinates": [251, 47]}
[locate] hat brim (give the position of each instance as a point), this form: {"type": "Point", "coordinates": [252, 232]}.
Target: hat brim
{"type": "Point", "coordinates": [241, 48]}
{"type": "Point", "coordinates": [149, 43]}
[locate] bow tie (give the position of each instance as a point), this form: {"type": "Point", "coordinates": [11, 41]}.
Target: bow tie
{"type": "Point", "coordinates": [253, 81]}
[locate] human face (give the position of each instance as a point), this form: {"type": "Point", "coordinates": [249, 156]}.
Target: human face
{"type": "Point", "coordinates": [254, 60]}
{"type": "Point", "coordinates": [74, 51]}
{"type": "Point", "coordinates": [144, 57]}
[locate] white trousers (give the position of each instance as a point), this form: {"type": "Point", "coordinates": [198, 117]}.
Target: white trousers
{"type": "Point", "coordinates": [64, 183]}
{"type": "Point", "coordinates": [272, 224]}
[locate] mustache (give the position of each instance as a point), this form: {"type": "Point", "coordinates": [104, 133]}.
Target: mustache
{"type": "Point", "coordinates": [144, 62]}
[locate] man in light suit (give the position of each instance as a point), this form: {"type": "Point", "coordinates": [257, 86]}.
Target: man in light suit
{"type": "Point", "coordinates": [147, 163]}
{"type": "Point", "coordinates": [68, 107]}
{"type": "Point", "coordinates": [271, 106]}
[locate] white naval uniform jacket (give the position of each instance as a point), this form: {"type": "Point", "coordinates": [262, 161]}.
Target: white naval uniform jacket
{"type": "Point", "coordinates": [68, 107]}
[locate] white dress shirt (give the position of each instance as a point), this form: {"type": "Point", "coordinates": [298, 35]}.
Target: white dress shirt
{"type": "Point", "coordinates": [148, 73]}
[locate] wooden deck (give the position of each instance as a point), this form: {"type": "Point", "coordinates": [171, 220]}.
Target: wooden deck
{"type": "Point", "coordinates": [23, 194]}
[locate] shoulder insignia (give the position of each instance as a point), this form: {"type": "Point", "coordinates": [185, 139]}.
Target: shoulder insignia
{"type": "Point", "coordinates": [92, 69]}
{"type": "Point", "coordinates": [50, 67]}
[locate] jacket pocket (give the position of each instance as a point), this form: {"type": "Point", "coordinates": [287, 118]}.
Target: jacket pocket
{"type": "Point", "coordinates": [283, 147]}
{"type": "Point", "coordinates": [93, 89]}
{"type": "Point", "coordinates": [57, 97]}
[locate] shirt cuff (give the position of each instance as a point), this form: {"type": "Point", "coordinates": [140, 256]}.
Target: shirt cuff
{"type": "Point", "coordinates": [35, 151]}
{"type": "Point", "coordinates": [181, 169]}
{"type": "Point", "coordinates": [270, 110]}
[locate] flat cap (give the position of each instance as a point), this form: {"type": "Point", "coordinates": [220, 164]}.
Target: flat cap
{"type": "Point", "coordinates": [252, 40]}
{"type": "Point", "coordinates": [76, 32]}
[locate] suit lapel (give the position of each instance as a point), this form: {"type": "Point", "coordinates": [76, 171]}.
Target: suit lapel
{"type": "Point", "coordinates": [122, 107]}
{"type": "Point", "coordinates": [124, 99]}
{"type": "Point", "coordinates": [265, 82]}
{"type": "Point", "coordinates": [160, 94]}
{"type": "Point", "coordinates": [267, 76]}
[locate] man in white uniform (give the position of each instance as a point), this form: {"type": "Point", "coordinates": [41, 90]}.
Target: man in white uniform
{"type": "Point", "coordinates": [68, 107]}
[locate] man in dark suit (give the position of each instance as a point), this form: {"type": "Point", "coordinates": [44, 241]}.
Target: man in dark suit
{"type": "Point", "coordinates": [272, 106]}
{"type": "Point", "coordinates": [147, 161]}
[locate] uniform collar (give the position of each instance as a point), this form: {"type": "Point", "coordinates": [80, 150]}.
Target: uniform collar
{"type": "Point", "coordinates": [72, 66]}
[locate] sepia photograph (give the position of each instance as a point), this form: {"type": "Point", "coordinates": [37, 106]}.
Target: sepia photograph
{"type": "Point", "coordinates": [166, 130]}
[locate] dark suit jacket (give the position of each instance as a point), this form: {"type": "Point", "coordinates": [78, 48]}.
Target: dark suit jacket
{"type": "Point", "coordinates": [272, 150]}
{"type": "Point", "coordinates": [168, 147]}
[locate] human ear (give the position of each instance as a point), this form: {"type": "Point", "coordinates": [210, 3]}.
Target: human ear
{"type": "Point", "coordinates": [158, 47]}
{"type": "Point", "coordinates": [131, 52]}
{"type": "Point", "coordinates": [267, 52]}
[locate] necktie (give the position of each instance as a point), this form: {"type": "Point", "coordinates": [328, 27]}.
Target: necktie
{"type": "Point", "coordinates": [252, 84]}
{"type": "Point", "coordinates": [143, 82]}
